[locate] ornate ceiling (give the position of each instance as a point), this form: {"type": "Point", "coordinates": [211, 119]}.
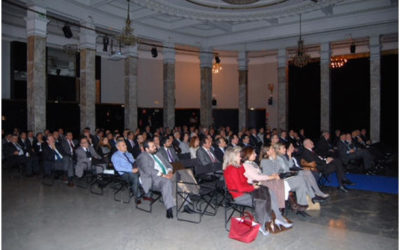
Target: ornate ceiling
{"type": "Point", "coordinates": [252, 25]}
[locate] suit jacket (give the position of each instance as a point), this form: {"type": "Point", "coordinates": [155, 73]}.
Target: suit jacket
{"type": "Point", "coordinates": [255, 141]}
{"type": "Point", "coordinates": [164, 153]}
{"type": "Point", "coordinates": [66, 147]}
{"type": "Point", "coordinates": [204, 158]}
{"type": "Point", "coordinates": [26, 146]}
{"type": "Point", "coordinates": [323, 146]}
{"type": "Point", "coordinates": [129, 146]}
{"type": "Point", "coordinates": [148, 174]}
{"type": "Point", "coordinates": [343, 148]}
{"type": "Point", "coordinates": [48, 153]}
{"type": "Point", "coordinates": [312, 156]}
{"type": "Point", "coordinates": [9, 150]}
{"type": "Point", "coordinates": [219, 154]}
{"type": "Point", "coordinates": [82, 159]}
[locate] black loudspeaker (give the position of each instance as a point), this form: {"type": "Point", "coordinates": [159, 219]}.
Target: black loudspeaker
{"type": "Point", "coordinates": [214, 102]}
{"type": "Point", "coordinates": [352, 48]}
{"type": "Point", "coordinates": [67, 31]}
{"type": "Point", "coordinates": [154, 52]}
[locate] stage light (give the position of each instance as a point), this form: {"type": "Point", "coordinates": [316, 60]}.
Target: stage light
{"type": "Point", "coordinates": [217, 59]}
{"type": "Point", "coordinates": [105, 43]}
{"type": "Point", "coordinates": [353, 48]}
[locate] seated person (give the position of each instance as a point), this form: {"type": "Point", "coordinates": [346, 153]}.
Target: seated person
{"type": "Point", "coordinates": [324, 146]}
{"type": "Point", "coordinates": [220, 148]}
{"type": "Point", "coordinates": [271, 164]}
{"type": "Point", "coordinates": [123, 162]}
{"type": "Point", "coordinates": [167, 150]}
{"type": "Point", "coordinates": [87, 158]}
{"type": "Point", "coordinates": [138, 148]}
{"type": "Point", "coordinates": [53, 159]}
{"type": "Point", "coordinates": [15, 155]}
{"type": "Point", "coordinates": [347, 152]}
{"type": "Point", "coordinates": [243, 192]}
{"type": "Point", "coordinates": [194, 146]}
{"type": "Point", "coordinates": [184, 145]}
{"type": "Point", "coordinates": [206, 156]}
{"type": "Point", "coordinates": [285, 156]}
{"type": "Point", "coordinates": [324, 165]}
{"type": "Point", "coordinates": [156, 174]}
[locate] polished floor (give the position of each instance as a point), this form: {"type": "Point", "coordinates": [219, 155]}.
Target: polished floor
{"type": "Point", "coordinates": [41, 217]}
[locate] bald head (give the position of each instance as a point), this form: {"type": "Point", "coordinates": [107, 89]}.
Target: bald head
{"type": "Point", "coordinates": [308, 144]}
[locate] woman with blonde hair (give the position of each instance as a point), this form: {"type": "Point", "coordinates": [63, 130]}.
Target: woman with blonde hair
{"type": "Point", "coordinates": [243, 192]}
{"type": "Point", "coordinates": [193, 146]}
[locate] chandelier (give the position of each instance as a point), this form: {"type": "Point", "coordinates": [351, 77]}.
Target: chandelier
{"type": "Point", "coordinates": [301, 59]}
{"type": "Point", "coordinates": [127, 37]}
{"type": "Point", "coordinates": [338, 62]}
{"type": "Point", "coordinates": [216, 68]}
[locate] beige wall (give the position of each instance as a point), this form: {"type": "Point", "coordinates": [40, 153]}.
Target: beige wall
{"type": "Point", "coordinates": [226, 87]}
{"type": "Point", "coordinates": [260, 75]}
{"type": "Point", "coordinates": [150, 83]}
{"type": "Point", "coordinates": [187, 84]}
{"type": "Point", "coordinates": [112, 81]}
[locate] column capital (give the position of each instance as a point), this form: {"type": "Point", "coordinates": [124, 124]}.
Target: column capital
{"type": "Point", "coordinates": [282, 60]}
{"type": "Point", "coordinates": [325, 51]}
{"type": "Point", "coordinates": [87, 37]}
{"type": "Point", "coordinates": [206, 58]}
{"type": "Point", "coordinates": [243, 60]}
{"type": "Point", "coordinates": [131, 51]}
{"type": "Point", "coordinates": [169, 52]}
{"type": "Point", "coordinates": [36, 21]}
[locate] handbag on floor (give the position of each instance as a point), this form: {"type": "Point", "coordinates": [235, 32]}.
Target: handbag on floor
{"type": "Point", "coordinates": [244, 228]}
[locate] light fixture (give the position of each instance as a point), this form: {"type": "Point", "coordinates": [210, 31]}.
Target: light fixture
{"type": "Point", "coordinates": [67, 31]}
{"type": "Point", "coordinates": [105, 43]}
{"type": "Point", "coordinates": [127, 37]}
{"type": "Point", "coordinates": [301, 59]}
{"type": "Point", "coordinates": [216, 68]}
{"type": "Point", "coordinates": [154, 52]}
{"type": "Point", "coordinates": [338, 62]}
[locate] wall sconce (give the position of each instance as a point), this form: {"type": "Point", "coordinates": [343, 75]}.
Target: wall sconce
{"type": "Point", "coordinates": [271, 90]}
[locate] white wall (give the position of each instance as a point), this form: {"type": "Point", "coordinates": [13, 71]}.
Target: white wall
{"type": "Point", "coordinates": [5, 70]}
{"type": "Point", "coordinates": [187, 84]}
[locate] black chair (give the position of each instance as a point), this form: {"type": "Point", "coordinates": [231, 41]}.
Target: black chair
{"type": "Point", "coordinates": [231, 207]}
{"type": "Point", "coordinates": [154, 197]}
{"type": "Point", "coordinates": [204, 197]}
{"type": "Point", "coordinates": [102, 181]}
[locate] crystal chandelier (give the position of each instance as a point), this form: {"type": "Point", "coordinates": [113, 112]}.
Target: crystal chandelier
{"type": "Point", "coordinates": [338, 62]}
{"type": "Point", "coordinates": [301, 59]}
{"type": "Point", "coordinates": [216, 68]}
{"type": "Point", "coordinates": [127, 38]}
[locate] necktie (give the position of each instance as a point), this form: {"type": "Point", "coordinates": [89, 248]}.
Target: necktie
{"type": "Point", "coordinates": [88, 154]}
{"type": "Point", "coordinates": [71, 145]}
{"type": "Point", "coordinates": [160, 164]}
{"type": "Point", "coordinates": [171, 159]}
{"type": "Point", "coordinates": [211, 156]}
{"type": "Point", "coordinates": [126, 156]}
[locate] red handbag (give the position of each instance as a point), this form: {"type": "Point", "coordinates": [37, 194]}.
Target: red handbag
{"type": "Point", "coordinates": [244, 228]}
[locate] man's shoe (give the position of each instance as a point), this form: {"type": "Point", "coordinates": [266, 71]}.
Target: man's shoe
{"type": "Point", "coordinates": [170, 215]}
{"type": "Point", "coordinates": [187, 209]}
{"type": "Point", "coordinates": [343, 189]}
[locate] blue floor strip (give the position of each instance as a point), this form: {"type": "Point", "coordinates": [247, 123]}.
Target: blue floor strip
{"type": "Point", "coordinates": [381, 184]}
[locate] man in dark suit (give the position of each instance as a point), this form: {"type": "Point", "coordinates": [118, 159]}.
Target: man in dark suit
{"type": "Point", "coordinates": [324, 147]}
{"type": "Point", "coordinates": [53, 158]}
{"type": "Point", "coordinates": [207, 157]}
{"type": "Point", "coordinates": [219, 151]}
{"type": "Point", "coordinates": [68, 147]}
{"type": "Point", "coordinates": [167, 150]}
{"type": "Point", "coordinates": [15, 155]}
{"type": "Point", "coordinates": [234, 141]}
{"type": "Point", "coordinates": [245, 141]}
{"type": "Point", "coordinates": [255, 141]}
{"type": "Point", "coordinates": [324, 165]}
{"type": "Point", "coordinates": [137, 149]}
{"type": "Point", "coordinates": [130, 142]}
{"type": "Point", "coordinates": [33, 161]}
{"type": "Point", "coordinates": [347, 152]}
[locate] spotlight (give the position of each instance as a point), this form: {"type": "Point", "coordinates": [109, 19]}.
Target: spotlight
{"type": "Point", "coordinates": [217, 59]}
{"type": "Point", "coordinates": [154, 52]}
{"type": "Point", "coordinates": [67, 31]}
{"type": "Point", "coordinates": [105, 43]}
{"type": "Point", "coordinates": [353, 48]}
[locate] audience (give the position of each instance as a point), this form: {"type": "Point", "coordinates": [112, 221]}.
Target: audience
{"type": "Point", "coordinates": [194, 146]}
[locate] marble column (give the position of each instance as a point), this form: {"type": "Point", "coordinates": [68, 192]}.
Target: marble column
{"type": "Point", "coordinates": [282, 90]}
{"type": "Point", "coordinates": [87, 40]}
{"type": "Point", "coordinates": [206, 58]}
{"type": "Point", "coordinates": [325, 86]}
{"type": "Point", "coordinates": [243, 93]}
{"type": "Point", "coordinates": [375, 88]}
{"type": "Point", "coordinates": [36, 27]}
{"type": "Point", "coordinates": [131, 107]}
{"type": "Point", "coordinates": [169, 85]}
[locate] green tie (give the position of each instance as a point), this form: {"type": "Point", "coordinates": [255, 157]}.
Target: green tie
{"type": "Point", "coordinates": [160, 164]}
